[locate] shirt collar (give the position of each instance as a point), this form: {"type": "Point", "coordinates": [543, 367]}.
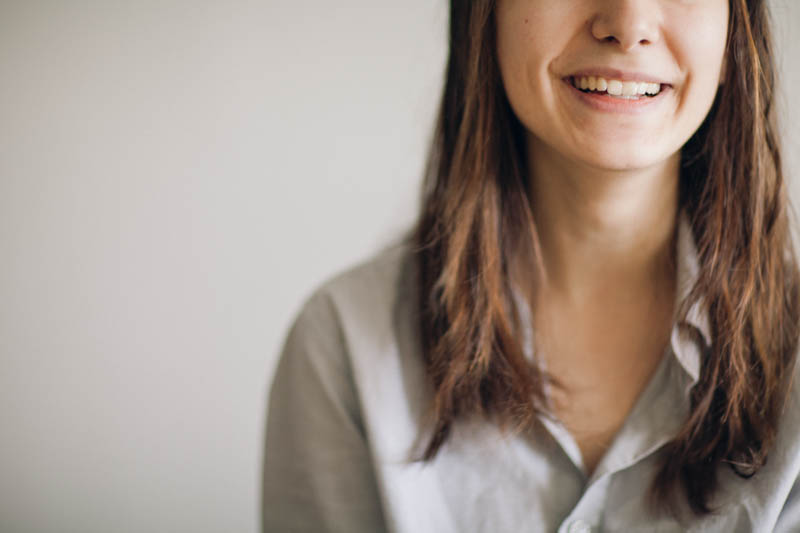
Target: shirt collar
{"type": "Point", "coordinates": [696, 326]}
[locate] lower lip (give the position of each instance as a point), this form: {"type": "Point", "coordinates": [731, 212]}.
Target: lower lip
{"type": "Point", "coordinates": [611, 104]}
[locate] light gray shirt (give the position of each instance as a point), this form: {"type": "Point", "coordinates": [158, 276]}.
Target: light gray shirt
{"type": "Point", "coordinates": [345, 415]}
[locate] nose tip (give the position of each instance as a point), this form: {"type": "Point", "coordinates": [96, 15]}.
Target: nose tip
{"type": "Point", "coordinates": [626, 23]}
{"type": "Point", "coordinates": [625, 44]}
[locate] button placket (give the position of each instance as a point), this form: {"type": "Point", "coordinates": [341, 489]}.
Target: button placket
{"type": "Point", "coordinates": [587, 514]}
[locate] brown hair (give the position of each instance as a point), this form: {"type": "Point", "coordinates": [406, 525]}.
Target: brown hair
{"type": "Point", "coordinates": [476, 212]}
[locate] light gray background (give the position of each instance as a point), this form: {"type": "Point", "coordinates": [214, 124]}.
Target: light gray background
{"type": "Point", "coordinates": [175, 177]}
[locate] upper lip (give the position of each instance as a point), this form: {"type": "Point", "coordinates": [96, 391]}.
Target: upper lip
{"type": "Point", "coordinates": [621, 75]}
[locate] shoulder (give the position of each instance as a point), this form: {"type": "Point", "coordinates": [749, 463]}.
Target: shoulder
{"type": "Point", "coordinates": [371, 281]}
{"type": "Point", "coordinates": [354, 345]}
{"type": "Point", "coordinates": [363, 295]}
{"type": "Point", "coordinates": [346, 319]}
{"type": "Point", "coordinates": [360, 300]}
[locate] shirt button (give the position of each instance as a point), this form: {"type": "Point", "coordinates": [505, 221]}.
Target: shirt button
{"type": "Point", "coordinates": [579, 526]}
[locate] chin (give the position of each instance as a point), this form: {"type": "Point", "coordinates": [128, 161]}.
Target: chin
{"type": "Point", "coordinates": [622, 159]}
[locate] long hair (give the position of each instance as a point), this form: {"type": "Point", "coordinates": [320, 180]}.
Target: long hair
{"type": "Point", "coordinates": [476, 218]}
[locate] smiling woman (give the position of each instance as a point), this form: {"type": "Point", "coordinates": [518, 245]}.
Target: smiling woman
{"type": "Point", "coordinates": [544, 47]}
{"type": "Point", "coordinates": [603, 164]}
{"type": "Point", "coordinates": [594, 324]}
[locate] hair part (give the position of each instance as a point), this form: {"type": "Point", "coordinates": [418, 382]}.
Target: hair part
{"type": "Point", "coordinates": [476, 224]}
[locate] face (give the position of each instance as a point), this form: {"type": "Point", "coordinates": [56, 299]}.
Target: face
{"type": "Point", "coordinates": [646, 73]}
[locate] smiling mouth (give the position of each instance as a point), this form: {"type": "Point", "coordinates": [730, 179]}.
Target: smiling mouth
{"type": "Point", "coordinates": [626, 90]}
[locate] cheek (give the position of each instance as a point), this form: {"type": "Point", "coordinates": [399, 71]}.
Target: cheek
{"type": "Point", "coordinates": [526, 47]}
{"type": "Point", "coordinates": [516, 42]}
{"type": "Point", "coordinates": [514, 53]}
{"type": "Point", "coordinates": [700, 45]}
{"type": "Point", "coordinates": [704, 37]}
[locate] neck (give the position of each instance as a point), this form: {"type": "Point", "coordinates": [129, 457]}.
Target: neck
{"type": "Point", "coordinates": [600, 229]}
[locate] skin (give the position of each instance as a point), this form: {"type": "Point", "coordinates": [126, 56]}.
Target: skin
{"type": "Point", "coordinates": [604, 186]}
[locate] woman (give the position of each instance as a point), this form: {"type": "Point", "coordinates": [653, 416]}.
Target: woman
{"type": "Point", "coordinates": [594, 325]}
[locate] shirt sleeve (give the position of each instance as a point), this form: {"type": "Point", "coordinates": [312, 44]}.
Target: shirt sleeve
{"type": "Point", "coordinates": [317, 473]}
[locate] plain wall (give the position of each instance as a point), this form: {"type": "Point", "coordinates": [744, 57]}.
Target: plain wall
{"type": "Point", "coordinates": [175, 178]}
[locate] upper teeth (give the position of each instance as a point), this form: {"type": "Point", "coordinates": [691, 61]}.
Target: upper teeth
{"type": "Point", "coordinates": [616, 87]}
